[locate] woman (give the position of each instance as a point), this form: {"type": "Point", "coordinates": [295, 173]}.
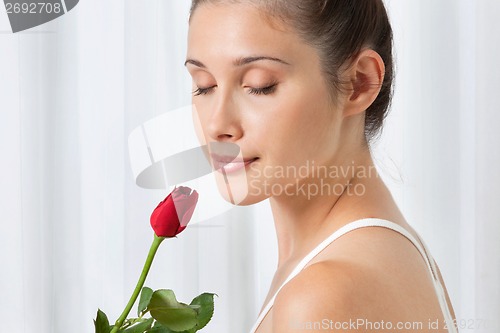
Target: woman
{"type": "Point", "coordinates": [305, 85]}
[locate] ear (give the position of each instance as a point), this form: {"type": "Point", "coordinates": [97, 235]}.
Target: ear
{"type": "Point", "coordinates": [366, 76]}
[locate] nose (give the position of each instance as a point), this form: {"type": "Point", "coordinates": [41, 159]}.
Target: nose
{"type": "Point", "coordinates": [224, 123]}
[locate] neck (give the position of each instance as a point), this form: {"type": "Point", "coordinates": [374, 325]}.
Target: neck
{"type": "Point", "coordinates": [318, 205]}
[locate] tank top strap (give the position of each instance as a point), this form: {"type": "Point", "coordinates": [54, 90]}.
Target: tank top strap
{"type": "Point", "coordinates": [369, 222]}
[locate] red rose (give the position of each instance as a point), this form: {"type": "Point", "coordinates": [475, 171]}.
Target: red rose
{"type": "Point", "coordinates": [172, 215]}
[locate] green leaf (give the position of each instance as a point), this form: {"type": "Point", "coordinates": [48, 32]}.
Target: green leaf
{"type": "Point", "coordinates": [203, 305]}
{"type": "Point", "coordinates": [146, 294]}
{"type": "Point", "coordinates": [205, 311]}
{"type": "Point", "coordinates": [101, 323]}
{"type": "Point", "coordinates": [140, 327]}
{"type": "Point", "coordinates": [158, 328]}
{"type": "Point", "coordinates": [176, 316]}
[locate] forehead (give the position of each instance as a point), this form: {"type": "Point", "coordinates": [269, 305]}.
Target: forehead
{"type": "Point", "coordinates": [232, 30]}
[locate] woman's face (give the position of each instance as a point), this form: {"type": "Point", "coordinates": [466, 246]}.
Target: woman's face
{"type": "Point", "coordinates": [262, 89]}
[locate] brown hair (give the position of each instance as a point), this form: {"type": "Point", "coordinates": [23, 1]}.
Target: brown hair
{"type": "Point", "coordinates": [339, 30]}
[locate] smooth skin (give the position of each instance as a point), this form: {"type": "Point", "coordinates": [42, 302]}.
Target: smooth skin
{"type": "Point", "coordinates": [258, 85]}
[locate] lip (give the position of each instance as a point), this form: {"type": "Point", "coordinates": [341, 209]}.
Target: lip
{"type": "Point", "coordinates": [230, 163]}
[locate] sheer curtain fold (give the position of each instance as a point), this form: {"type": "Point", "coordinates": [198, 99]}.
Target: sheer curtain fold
{"type": "Point", "coordinates": [487, 190]}
{"type": "Point", "coordinates": [75, 227]}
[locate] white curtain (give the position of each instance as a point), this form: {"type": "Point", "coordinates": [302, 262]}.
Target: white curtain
{"type": "Point", "coordinates": [441, 141]}
{"type": "Point", "coordinates": [75, 227]}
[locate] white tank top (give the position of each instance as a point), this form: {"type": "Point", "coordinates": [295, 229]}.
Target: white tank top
{"type": "Point", "coordinates": [371, 222]}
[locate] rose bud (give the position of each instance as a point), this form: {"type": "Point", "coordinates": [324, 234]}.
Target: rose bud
{"type": "Point", "coordinates": [172, 215]}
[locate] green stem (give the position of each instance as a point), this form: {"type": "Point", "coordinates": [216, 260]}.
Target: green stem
{"type": "Point", "coordinates": [147, 265]}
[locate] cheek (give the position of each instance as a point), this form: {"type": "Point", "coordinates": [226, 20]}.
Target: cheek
{"type": "Point", "coordinates": [198, 124]}
{"type": "Point", "coordinates": [201, 118]}
{"type": "Point", "coordinates": [304, 129]}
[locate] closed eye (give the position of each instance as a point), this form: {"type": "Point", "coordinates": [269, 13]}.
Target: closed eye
{"type": "Point", "coordinates": [202, 91]}
{"type": "Point", "coordinates": [264, 91]}
{"type": "Point", "coordinates": [255, 91]}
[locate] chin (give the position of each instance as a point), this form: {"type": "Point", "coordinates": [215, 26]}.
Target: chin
{"type": "Point", "coordinates": [251, 200]}
{"type": "Point", "coordinates": [235, 190]}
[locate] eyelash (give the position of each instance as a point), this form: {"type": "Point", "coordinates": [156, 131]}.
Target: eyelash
{"type": "Point", "coordinates": [255, 91]}
{"type": "Point", "coordinates": [202, 91]}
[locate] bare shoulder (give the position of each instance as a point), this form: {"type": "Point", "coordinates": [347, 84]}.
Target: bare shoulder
{"type": "Point", "coordinates": [314, 297]}
{"type": "Point", "coordinates": [375, 276]}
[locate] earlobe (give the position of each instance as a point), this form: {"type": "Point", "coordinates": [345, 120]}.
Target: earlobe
{"type": "Point", "coordinates": [367, 76]}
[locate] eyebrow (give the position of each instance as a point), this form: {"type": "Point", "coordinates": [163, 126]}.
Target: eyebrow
{"type": "Point", "coordinates": [239, 62]}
